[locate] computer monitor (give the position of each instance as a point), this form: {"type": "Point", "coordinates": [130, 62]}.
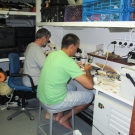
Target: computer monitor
{"type": "Point", "coordinates": [7, 37]}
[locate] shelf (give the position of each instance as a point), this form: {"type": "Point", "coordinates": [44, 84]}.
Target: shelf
{"type": "Point", "coordinates": [18, 13]}
{"type": "Point", "coordinates": [120, 60]}
{"type": "Point", "coordinates": [120, 24]}
{"type": "Point", "coordinates": [6, 59]}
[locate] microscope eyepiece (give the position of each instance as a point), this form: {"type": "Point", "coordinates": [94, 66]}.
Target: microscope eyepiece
{"type": "Point", "coordinates": [79, 50]}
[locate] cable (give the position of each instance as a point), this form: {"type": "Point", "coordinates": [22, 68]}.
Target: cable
{"type": "Point", "coordinates": [10, 98]}
{"type": "Point", "coordinates": [131, 35]}
{"type": "Point", "coordinates": [124, 56]}
{"type": "Point", "coordinates": [127, 54]}
{"type": "Point", "coordinates": [111, 76]}
{"type": "Point", "coordinates": [122, 46]}
{"type": "Point", "coordinates": [125, 38]}
{"type": "Point", "coordinates": [106, 58]}
{"type": "Point", "coordinates": [130, 45]}
{"type": "Point", "coordinates": [113, 50]}
{"type": "Point", "coordinates": [7, 103]}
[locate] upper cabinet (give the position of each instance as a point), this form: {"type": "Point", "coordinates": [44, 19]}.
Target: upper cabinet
{"type": "Point", "coordinates": [17, 8]}
{"type": "Point", "coordinates": [103, 24]}
{"type": "Point", "coordinates": [18, 13]}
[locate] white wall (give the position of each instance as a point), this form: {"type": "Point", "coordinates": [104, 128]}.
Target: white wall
{"type": "Point", "coordinates": [90, 37]}
{"type": "Point", "coordinates": [56, 36]}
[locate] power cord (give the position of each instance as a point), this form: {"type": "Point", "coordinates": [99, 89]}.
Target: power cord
{"type": "Point", "coordinates": [7, 104]}
{"type": "Point", "coordinates": [113, 50]}
{"type": "Point", "coordinates": [129, 54]}
{"type": "Point", "coordinates": [130, 35]}
{"type": "Point", "coordinates": [106, 56]}
{"type": "Point", "coordinates": [114, 42]}
{"type": "Point", "coordinates": [125, 44]}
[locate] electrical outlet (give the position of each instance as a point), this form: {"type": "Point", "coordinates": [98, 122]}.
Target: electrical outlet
{"type": "Point", "coordinates": [123, 43]}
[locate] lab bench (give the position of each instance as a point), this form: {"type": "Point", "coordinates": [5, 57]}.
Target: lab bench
{"type": "Point", "coordinates": [112, 114]}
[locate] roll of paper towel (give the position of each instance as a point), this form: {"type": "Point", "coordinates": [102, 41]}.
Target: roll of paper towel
{"type": "Point", "coordinates": [77, 132]}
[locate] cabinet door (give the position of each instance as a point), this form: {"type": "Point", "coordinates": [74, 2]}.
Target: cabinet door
{"type": "Point", "coordinates": [96, 132]}
{"type": "Point", "coordinates": [98, 129]}
{"type": "Point", "coordinates": [101, 111]}
{"type": "Point", "coordinates": [119, 120]}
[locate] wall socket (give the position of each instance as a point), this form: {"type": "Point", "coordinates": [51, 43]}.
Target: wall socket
{"type": "Point", "coordinates": [124, 43]}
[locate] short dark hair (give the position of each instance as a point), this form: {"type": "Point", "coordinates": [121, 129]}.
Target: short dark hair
{"type": "Point", "coordinates": [69, 39]}
{"type": "Point", "coordinates": [42, 32]}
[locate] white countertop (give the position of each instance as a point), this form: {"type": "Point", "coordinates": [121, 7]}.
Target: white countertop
{"type": "Point", "coordinates": [98, 89]}
{"type": "Point", "coordinates": [6, 59]}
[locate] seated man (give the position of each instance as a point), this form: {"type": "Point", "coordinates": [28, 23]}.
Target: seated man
{"type": "Point", "coordinates": [34, 56]}
{"type": "Point", "coordinates": [58, 68]}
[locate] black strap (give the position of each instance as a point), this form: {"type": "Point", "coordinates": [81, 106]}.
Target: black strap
{"type": "Point", "coordinates": [130, 78]}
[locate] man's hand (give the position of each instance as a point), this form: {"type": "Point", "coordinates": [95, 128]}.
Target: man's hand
{"type": "Point", "coordinates": [87, 67]}
{"type": "Point", "coordinates": [79, 63]}
{"type": "Point", "coordinates": [86, 79]}
{"type": "Point", "coordinates": [84, 67]}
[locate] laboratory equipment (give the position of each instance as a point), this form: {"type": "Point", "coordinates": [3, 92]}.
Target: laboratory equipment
{"type": "Point", "coordinates": [52, 48]}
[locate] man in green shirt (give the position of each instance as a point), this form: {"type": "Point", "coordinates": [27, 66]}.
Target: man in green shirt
{"type": "Point", "coordinates": [58, 68]}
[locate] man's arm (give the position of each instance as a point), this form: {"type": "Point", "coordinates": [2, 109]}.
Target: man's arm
{"type": "Point", "coordinates": [86, 80]}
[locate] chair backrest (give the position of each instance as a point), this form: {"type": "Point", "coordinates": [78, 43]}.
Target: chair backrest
{"type": "Point", "coordinates": [14, 64]}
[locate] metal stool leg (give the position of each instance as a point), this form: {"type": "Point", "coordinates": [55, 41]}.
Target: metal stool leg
{"type": "Point", "coordinates": [51, 123]}
{"type": "Point", "coordinates": [39, 118]}
{"type": "Point", "coordinates": [51, 112]}
{"type": "Point", "coordinates": [73, 119]}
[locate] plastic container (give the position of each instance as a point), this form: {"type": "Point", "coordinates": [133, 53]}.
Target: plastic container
{"type": "Point", "coordinates": [87, 2]}
{"type": "Point", "coordinates": [100, 5]}
{"type": "Point", "coordinates": [130, 15]}
{"type": "Point", "coordinates": [104, 16]}
{"type": "Point", "coordinates": [73, 13]}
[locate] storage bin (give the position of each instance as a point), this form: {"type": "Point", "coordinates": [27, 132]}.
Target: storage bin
{"type": "Point", "coordinates": [132, 16]}
{"type": "Point", "coordinates": [104, 16]}
{"type": "Point", "coordinates": [106, 5]}
{"type": "Point", "coordinates": [129, 15]}
{"type": "Point", "coordinates": [53, 14]}
{"type": "Point", "coordinates": [57, 2]}
{"type": "Point", "coordinates": [87, 2]}
{"type": "Point", "coordinates": [73, 13]}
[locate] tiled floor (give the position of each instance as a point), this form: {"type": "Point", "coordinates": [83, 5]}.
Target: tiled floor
{"type": "Point", "coordinates": [22, 125]}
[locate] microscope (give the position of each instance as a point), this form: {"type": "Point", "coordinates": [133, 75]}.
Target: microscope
{"type": "Point", "coordinates": [81, 55]}
{"type": "Point", "coordinates": [52, 48]}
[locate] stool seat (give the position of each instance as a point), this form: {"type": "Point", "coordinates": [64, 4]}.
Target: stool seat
{"type": "Point", "coordinates": [51, 112]}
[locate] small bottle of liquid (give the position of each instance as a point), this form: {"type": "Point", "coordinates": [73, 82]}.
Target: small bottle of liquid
{"type": "Point", "coordinates": [90, 58]}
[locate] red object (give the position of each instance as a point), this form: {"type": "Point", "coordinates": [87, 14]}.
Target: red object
{"type": "Point", "coordinates": [33, 9]}
{"type": "Point", "coordinates": [132, 125]}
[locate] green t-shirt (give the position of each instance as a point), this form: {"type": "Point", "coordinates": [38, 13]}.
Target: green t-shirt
{"type": "Point", "coordinates": [57, 70]}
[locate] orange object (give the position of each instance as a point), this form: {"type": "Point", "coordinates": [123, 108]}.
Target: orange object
{"type": "Point", "coordinates": [3, 76]}
{"type": "Point", "coordinates": [132, 125]}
